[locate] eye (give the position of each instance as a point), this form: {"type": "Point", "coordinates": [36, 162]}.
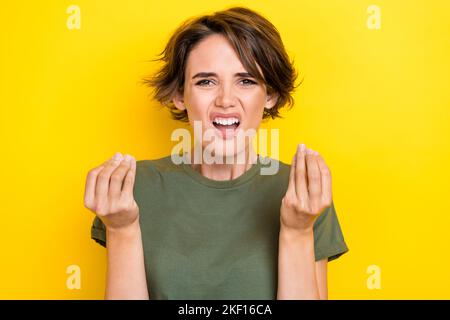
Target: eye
{"type": "Point", "coordinates": [204, 83]}
{"type": "Point", "coordinates": [248, 82]}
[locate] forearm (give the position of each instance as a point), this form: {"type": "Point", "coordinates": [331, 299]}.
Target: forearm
{"type": "Point", "coordinates": [126, 278]}
{"type": "Point", "coordinates": [296, 266]}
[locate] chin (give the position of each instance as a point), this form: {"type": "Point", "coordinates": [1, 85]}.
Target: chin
{"type": "Point", "coordinates": [224, 151]}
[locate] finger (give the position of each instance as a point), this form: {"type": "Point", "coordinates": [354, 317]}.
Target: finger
{"type": "Point", "coordinates": [102, 187]}
{"type": "Point", "coordinates": [117, 177]}
{"type": "Point", "coordinates": [300, 177]}
{"type": "Point", "coordinates": [127, 191]}
{"type": "Point", "coordinates": [326, 179]}
{"type": "Point", "coordinates": [291, 186]}
{"type": "Point", "coordinates": [89, 190]}
{"type": "Point", "coordinates": [314, 179]}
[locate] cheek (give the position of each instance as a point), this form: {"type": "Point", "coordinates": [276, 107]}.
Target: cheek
{"type": "Point", "coordinates": [197, 104]}
{"type": "Point", "coordinates": [254, 106]}
{"type": "Point", "coordinates": [253, 102]}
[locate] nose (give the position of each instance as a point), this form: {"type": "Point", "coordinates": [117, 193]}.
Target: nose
{"type": "Point", "coordinates": [225, 96]}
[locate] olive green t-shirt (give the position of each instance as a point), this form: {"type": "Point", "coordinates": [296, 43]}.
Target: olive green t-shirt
{"type": "Point", "coordinates": [211, 239]}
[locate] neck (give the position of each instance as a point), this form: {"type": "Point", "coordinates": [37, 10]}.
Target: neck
{"type": "Point", "coordinates": [224, 171]}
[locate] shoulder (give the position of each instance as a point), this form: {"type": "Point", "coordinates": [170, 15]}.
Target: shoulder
{"type": "Point", "coordinates": [162, 164]}
{"type": "Point", "coordinates": [156, 169]}
{"type": "Point", "coordinates": [274, 174]}
{"type": "Point", "coordinates": [150, 175]}
{"type": "Point", "coordinates": [274, 167]}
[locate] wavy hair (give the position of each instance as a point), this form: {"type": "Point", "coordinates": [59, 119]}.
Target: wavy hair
{"type": "Point", "coordinates": [256, 42]}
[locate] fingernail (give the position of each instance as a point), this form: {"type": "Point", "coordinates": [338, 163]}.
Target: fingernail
{"type": "Point", "coordinates": [117, 157]}
{"type": "Point", "coordinates": [316, 153]}
{"type": "Point", "coordinates": [127, 158]}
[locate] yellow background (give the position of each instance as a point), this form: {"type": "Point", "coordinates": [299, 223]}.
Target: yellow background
{"type": "Point", "coordinates": [374, 103]}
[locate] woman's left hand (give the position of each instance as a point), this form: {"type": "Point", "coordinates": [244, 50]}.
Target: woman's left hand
{"type": "Point", "coordinates": [308, 193]}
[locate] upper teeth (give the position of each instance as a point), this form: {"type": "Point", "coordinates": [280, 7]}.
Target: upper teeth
{"type": "Point", "coordinates": [226, 121]}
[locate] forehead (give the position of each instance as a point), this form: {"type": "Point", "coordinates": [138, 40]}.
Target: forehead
{"type": "Point", "coordinates": [213, 54]}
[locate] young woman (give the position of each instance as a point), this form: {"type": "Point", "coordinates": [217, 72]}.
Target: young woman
{"type": "Point", "coordinates": [221, 229]}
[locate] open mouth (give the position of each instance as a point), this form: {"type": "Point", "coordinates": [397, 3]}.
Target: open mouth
{"type": "Point", "coordinates": [230, 123]}
{"type": "Point", "coordinates": [226, 124]}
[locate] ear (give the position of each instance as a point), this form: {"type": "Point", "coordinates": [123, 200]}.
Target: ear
{"type": "Point", "coordinates": [178, 101]}
{"type": "Point", "coordinates": [271, 100]}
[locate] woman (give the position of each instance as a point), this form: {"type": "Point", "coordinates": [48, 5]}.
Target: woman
{"type": "Point", "coordinates": [220, 229]}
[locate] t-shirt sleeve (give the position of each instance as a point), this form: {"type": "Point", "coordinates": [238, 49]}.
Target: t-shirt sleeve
{"type": "Point", "coordinates": [98, 231]}
{"type": "Point", "coordinates": [328, 238]}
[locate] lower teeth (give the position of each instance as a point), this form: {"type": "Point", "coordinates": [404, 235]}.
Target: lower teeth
{"type": "Point", "coordinates": [226, 126]}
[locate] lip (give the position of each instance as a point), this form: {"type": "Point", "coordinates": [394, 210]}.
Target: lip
{"type": "Point", "coordinates": [214, 115]}
{"type": "Point", "coordinates": [229, 134]}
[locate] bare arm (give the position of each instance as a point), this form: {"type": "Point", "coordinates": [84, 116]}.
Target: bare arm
{"type": "Point", "coordinates": [299, 275]}
{"type": "Point", "coordinates": [322, 278]}
{"type": "Point", "coordinates": [109, 194]}
{"type": "Point", "coordinates": [307, 196]}
{"type": "Point", "coordinates": [126, 278]}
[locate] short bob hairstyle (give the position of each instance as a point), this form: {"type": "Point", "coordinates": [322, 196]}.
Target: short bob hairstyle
{"type": "Point", "coordinates": [255, 40]}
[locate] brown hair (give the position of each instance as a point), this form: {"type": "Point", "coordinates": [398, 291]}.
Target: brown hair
{"type": "Point", "coordinates": [255, 40]}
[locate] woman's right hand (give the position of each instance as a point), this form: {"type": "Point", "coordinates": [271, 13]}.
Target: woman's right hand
{"type": "Point", "coordinates": [109, 192]}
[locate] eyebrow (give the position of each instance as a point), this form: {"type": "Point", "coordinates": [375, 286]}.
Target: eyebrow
{"type": "Point", "coordinates": [213, 74]}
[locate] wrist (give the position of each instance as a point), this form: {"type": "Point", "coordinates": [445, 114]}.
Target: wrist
{"type": "Point", "coordinates": [291, 234]}
{"type": "Point", "coordinates": [128, 230]}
